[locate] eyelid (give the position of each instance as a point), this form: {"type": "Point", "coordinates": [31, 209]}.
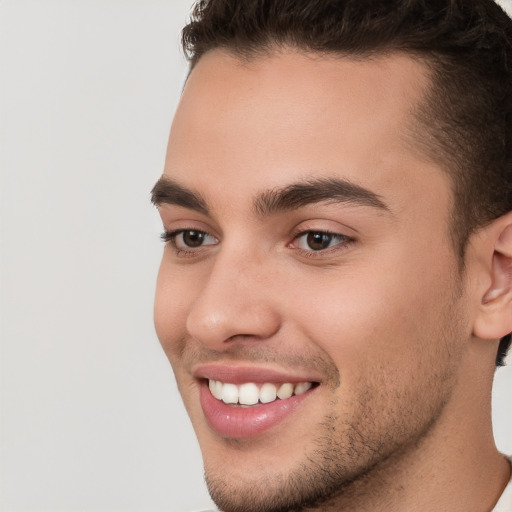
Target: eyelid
{"type": "Point", "coordinates": [323, 231]}
{"type": "Point", "coordinates": [324, 225]}
{"type": "Point", "coordinates": [169, 237]}
{"type": "Point", "coordinates": [173, 224]}
{"type": "Point", "coordinates": [302, 230]}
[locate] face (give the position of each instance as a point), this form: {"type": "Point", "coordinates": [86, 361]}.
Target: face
{"type": "Point", "coordinates": [309, 298]}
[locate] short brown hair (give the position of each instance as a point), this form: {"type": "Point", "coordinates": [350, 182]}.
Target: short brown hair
{"type": "Point", "coordinates": [467, 46]}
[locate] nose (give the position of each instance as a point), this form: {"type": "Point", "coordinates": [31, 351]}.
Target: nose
{"type": "Point", "coordinates": [236, 302]}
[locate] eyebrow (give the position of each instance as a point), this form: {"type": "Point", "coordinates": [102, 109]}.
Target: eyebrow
{"type": "Point", "coordinates": [168, 191]}
{"type": "Point", "coordinates": [316, 190]}
{"type": "Point", "coordinates": [291, 197]}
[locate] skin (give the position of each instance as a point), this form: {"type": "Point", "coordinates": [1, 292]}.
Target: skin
{"type": "Point", "coordinates": [401, 341]}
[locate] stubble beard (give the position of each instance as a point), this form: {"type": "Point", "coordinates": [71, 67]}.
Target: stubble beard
{"type": "Point", "coordinates": [341, 468]}
{"type": "Point", "coordinates": [352, 461]}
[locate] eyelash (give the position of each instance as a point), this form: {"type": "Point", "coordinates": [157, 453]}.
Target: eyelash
{"type": "Point", "coordinates": [344, 243]}
{"type": "Point", "coordinates": [169, 237]}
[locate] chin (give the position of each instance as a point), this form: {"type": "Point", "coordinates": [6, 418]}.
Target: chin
{"type": "Point", "coordinates": [265, 484]}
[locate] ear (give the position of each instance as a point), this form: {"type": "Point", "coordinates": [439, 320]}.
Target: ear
{"type": "Point", "coordinates": [494, 318]}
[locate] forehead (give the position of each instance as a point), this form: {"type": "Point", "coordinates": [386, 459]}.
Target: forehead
{"type": "Point", "coordinates": [286, 116]}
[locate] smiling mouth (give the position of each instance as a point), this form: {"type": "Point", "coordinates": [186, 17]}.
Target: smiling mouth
{"type": "Point", "coordinates": [250, 393]}
{"type": "Point", "coordinates": [245, 402]}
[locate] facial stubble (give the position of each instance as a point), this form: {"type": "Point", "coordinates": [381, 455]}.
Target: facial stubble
{"type": "Point", "coordinates": [356, 456]}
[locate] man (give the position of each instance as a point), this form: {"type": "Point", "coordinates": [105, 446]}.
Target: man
{"type": "Point", "coordinates": [337, 275]}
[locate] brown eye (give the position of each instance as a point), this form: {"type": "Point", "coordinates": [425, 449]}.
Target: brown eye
{"type": "Point", "coordinates": [188, 239]}
{"type": "Point", "coordinates": [193, 238]}
{"type": "Point", "coordinates": [318, 241]}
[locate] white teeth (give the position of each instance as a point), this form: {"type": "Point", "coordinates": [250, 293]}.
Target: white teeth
{"type": "Point", "coordinates": [285, 391]}
{"type": "Point", "coordinates": [230, 394]}
{"type": "Point", "coordinates": [302, 387]}
{"type": "Point", "coordinates": [268, 393]}
{"type": "Point", "coordinates": [250, 394]}
{"type": "Point", "coordinates": [217, 389]}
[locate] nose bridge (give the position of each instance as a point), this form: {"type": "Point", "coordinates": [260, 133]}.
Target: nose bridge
{"type": "Point", "coordinates": [236, 300]}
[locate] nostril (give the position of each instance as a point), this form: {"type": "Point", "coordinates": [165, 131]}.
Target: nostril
{"type": "Point", "coordinates": [244, 337]}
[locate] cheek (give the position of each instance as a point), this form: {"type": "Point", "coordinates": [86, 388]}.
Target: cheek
{"type": "Point", "coordinates": [392, 318]}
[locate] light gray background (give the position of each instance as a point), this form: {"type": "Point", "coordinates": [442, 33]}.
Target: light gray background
{"type": "Point", "coordinates": [90, 417]}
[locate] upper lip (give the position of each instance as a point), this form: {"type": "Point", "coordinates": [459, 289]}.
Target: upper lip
{"type": "Point", "coordinates": [240, 374]}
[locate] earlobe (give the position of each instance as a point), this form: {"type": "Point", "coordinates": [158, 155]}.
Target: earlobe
{"type": "Point", "coordinates": [494, 319]}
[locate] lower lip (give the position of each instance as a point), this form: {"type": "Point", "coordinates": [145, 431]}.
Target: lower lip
{"type": "Point", "coordinates": [234, 421]}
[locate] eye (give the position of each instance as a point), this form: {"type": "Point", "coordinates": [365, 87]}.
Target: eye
{"type": "Point", "coordinates": [188, 239]}
{"type": "Point", "coordinates": [319, 240]}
